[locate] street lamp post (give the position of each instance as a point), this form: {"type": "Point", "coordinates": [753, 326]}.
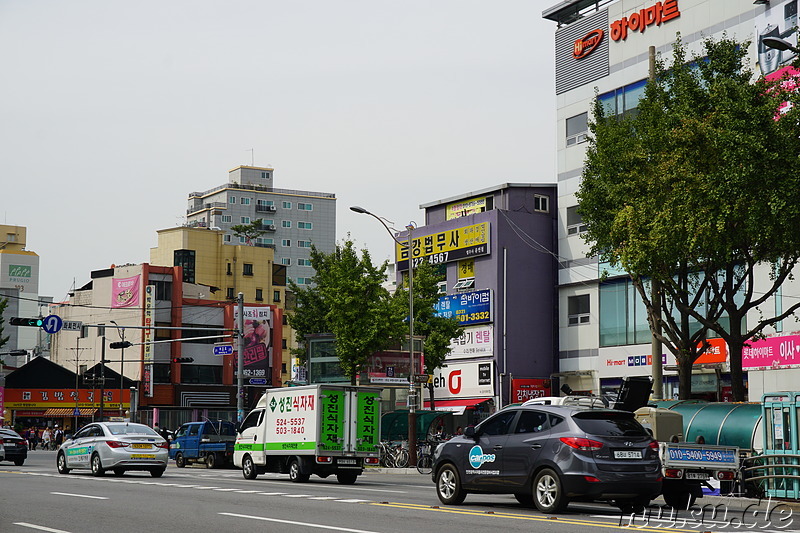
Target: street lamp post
{"type": "Point", "coordinates": [412, 413]}
{"type": "Point", "coordinates": [121, 333]}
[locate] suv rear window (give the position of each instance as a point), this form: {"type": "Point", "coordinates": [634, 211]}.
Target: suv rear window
{"type": "Point", "coordinates": [610, 424]}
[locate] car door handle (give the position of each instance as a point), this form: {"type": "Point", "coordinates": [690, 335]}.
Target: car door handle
{"type": "Point", "coordinates": [536, 446]}
{"type": "Point", "coordinates": [498, 447]}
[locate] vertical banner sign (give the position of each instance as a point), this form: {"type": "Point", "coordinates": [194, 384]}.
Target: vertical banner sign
{"type": "Point", "coordinates": [331, 435]}
{"type": "Point", "coordinates": [367, 417]}
{"type": "Point", "coordinates": [257, 342]}
{"type": "Point", "coordinates": [147, 339]}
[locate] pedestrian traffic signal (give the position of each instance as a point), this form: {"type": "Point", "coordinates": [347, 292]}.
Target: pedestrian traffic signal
{"type": "Point", "coordinates": [34, 322]}
{"type": "Point", "coordinates": [123, 344]}
{"type": "Point", "coordinates": [182, 359]}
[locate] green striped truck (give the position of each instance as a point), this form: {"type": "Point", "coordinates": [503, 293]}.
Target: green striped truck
{"type": "Point", "coordinates": [314, 429]}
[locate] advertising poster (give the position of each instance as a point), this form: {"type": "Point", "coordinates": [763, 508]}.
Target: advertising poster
{"type": "Point", "coordinates": [474, 307]}
{"type": "Point", "coordinates": [527, 389]}
{"type": "Point", "coordinates": [257, 341]}
{"type": "Point", "coordinates": [772, 352]}
{"type": "Point", "coordinates": [477, 341]}
{"type": "Point", "coordinates": [779, 20]}
{"type": "Point", "coordinates": [125, 292]}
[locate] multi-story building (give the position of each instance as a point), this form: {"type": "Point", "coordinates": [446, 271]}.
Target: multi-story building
{"type": "Point", "coordinates": [496, 252]}
{"type": "Point", "coordinates": [601, 47]}
{"type": "Point", "coordinates": [19, 284]}
{"type": "Point", "coordinates": [293, 220]}
{"type": "Point", "coordinates": [228, 270]}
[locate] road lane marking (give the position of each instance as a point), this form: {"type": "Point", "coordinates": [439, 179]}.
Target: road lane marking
{"type": "Point", "coordinates": [271, 493]}
{"type": "Point", "coordinates": [294, 523]}
{"type": "Point", "coordinates": [40, 528]}
{"type": "Point", "coordinates": [79, 495]}
{"type": "Point", "coordinates": [296, 495]}
{"type": "Point", "coordinates": [353, 501]}
{"type": "Point", "coordinates": [323, 498]}
{"type": "Point", "coordinates": [225, 490]}
{"type": "Point", "coordinates": [207, 488]}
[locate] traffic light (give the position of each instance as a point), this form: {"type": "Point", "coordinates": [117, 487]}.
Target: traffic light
{"type": "Point", "coordinates": [33, 322]}
{"type": "Point", "coordinates": [182, 359]}
{"type": "Point", "coordinates": [123, 344]}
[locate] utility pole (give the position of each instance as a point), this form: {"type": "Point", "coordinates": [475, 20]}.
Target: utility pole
{"type": "Point", "coordinates": [77, 368]}
{"type": "Point", "coordinates": [240, 360]}
{"type": "Point", "coordinates": [655, 286]}
{"type": "Point", "coordinates": [102, 374]}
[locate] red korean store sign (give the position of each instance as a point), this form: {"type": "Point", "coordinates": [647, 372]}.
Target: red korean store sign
{"type": "Point", "coordinates": [50, 398]}
{"type": "Point", "coordinates": [526, 389]}
{"type": "Point", "coordinates": [651, 16]}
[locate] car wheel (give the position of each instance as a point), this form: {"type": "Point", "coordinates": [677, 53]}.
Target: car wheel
{"type": "Point", "coordinates": [679, 500]}
{"type": "Point", "coordinates": [157, 472]}
{"type": "Point", "coordinates": [346, 478]}
{"type": "Point", "coordinates": [180, 461]}
{"type": "Point", "coordinates": [524, 498]}
{"type": "Point", "coordinates": [248, 468]}
{"type": "Point", "coordinates": [19, 462]}
{"type": "Point", "coordinates": [295, 475]}
{"type": "Point", "coordinates": [448, 486]}
{"type": "Point", "coordinates": [97, 466]}
{"type": "Point", "coordinates": [61, 463]}
{"type": "Point", "coordinates": [548, 494]}
{"type": "Point", "coordinates": [119, 472]}
{"type": "Point", "coordinates": [211, 460]}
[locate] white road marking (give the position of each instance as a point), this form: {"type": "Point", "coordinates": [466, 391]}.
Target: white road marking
{"type": "Point", "coordinates": [40, 528]}
{"type": "Point", "coordinates": [294, 523]}
{"type": "Point", "coordinates": [323, 498]}
{"type": "Point", "coordinates": [79, 495]}
{"type": "Point", "coordinates": [352, 501]}
{"type": "Point", "coordinates": [207, 488]}
{"type": "Point", "coordinates": [297, 495]}
{"type": "Point", "coordinates": [247, 491]}
{"type": "Point", "coordinates": [271, 493]}
{"type": "Point", "coordinates": [225, 490]}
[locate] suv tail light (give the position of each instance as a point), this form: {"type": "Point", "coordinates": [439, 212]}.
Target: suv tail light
{"type": "Point", "coordinates": [653, 445]}
{"type": "Point", "coordinates": [582, 444]}
{"type": "Point", "coordinates": [116, 444]}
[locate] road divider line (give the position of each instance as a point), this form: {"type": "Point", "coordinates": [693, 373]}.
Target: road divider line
{"type": "Point", "coordinates": [40, 528]}
{"type": "Point", "coordinates": [295, 523]}
{"type": "Point", "coordinates": [79, 495]}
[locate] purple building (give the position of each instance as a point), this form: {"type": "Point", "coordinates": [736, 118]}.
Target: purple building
{"type": "Point", "coordinates": [498, 248]}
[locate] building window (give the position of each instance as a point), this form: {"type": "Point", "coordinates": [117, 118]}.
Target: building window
{"type": "Point", "coordinates": [265, 175]}
{"type": "Point", "coordinates": [287, 205]}
{"type": "Point", "coordinates": [229, 293]}
{"type": "Point", "coordinates": [245, 220]}
{"type": "Point", "coordinates": [303, 281]}
{"type": "Point", "coordinates": [286, 224]}
{"type": "Point", "coordinates": [263, 240]}
{"type": "Point", "coordinates": [226, 238]}
{"type": "Point", "coordinates": [226, 218]}
{"type": "Point", "coordinates": [286, 261]}
{"type": "Point", "coordinates": [304, 262]}
{"type": "Point", "coordinates": [242, 240]}
{"type": "Point", "coordinates": [164, 288]}
{"type": "Point", "coordinates": [283, 343]}
{"type": "Point", "coordinates": [228, 270]}
{"type": "Point", "coordinates": [623, 101]}
{"type": "Point", "coordinates": [304, 244]}
{"type": "Point", "coordinates": [283, 368]}
{"type": "Point", "coordinates": [267, 222]}
{"type": "Point", "coordinates": [245, 201]}
{"type": "Point", "coordinates": [577, 128]}
{"type": "Point", "coordinates": [286, 243]}
{"type": "Point", "coordinates": [575, 225]}
{"type": "Point", "coordinates": [541, 203]}
{"type": "Point", "coordinates": [185, 259]}
{"type": "Point", "coordinates": [578, 310]}
{"type": "Point", "coordinates": [231, 199]}
{"type": "Point", "coordinates": [305, 207]}
{"type": "Point", "coordinates": [259, 295]}
{"type": "Point", "coordinates": [276, 296]}
{"type": "Point", "coordinates": [247, 269]}
{"type": "Point", "coordinates": [305, 225]}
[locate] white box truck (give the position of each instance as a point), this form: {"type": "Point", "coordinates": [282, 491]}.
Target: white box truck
{"type": "Point", "coordinates": [313, 429]}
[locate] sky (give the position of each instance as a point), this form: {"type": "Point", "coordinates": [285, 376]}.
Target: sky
{"type": "Point", "coordinates": [112, 112]}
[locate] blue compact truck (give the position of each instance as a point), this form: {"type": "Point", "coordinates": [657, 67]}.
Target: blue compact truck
{"type": "Point", "coordinates": [204, 442]}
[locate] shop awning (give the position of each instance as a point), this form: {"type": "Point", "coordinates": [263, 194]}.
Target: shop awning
{"type": "Point", "coordinates": [456, 407]}
{"type": "Point", "coordinates": [69, 412]}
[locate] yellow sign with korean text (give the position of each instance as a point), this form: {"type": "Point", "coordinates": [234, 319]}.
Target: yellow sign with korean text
{"type": "Point", "coordinates": [467, 207]}
{"type": "Point", "coordinates": [445, 246]}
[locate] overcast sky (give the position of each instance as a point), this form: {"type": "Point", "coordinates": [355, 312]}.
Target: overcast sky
{"type": "Point", "coordinates": [113, 112]}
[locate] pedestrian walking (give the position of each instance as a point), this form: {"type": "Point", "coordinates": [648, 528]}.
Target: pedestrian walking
{"type": "Point", "coordinates": [58, 436]}
{"type": "Point", "coordinates": [47, 438]}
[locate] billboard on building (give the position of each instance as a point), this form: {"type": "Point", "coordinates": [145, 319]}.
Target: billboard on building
{"type": "Point", "coordinates": [477, 341]}
{"type": "Point", "coordinates": [20, 271]}
{"type": "Point", "coordinates": [529, 388]}
{"type": "Point", "coordinates": [445, 246]}
{"type": "Point", "coordinates": [464, 380]}
{"type": "Point", "coordinates": [473, 307]}
{"type": "Point", "coordinates": [778, 20]}
{"type": "Point", "coordinates": [772, 352]}
{"type": "Point", "coordinates": [257, 341]}
{"type": "Point", "coordinates": [468, 207]}
{"type": "Point", "coordinates": [125, 291]}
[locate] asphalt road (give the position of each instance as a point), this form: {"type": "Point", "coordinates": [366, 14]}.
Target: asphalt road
{"type": "Point", "coordinates": [34, 497]}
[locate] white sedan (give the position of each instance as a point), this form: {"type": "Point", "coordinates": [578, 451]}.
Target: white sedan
{"type": "Point", "coordinates": [115, 446]}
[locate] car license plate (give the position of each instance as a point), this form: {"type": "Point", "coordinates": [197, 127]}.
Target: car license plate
{"type": "Point", "coordinates": [347, 462]}
{"type": "Point", "coordinates": [628, 454]}
{"type": "Point", "coordinates": [141, 446]}
{"type": "Point", "coordinates": [142, 456]}
{"type": "Point", "coordinates": [696, 475]}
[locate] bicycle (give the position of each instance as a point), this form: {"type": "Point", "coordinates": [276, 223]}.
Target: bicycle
{"type": "Point", "coordinates": [425, 456]}
{"type": "Point", "coordinates": [393, 456]}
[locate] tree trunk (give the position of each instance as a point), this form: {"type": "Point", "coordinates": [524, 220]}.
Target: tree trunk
{"type": "Point", "coordinates": [735, 349]}
{"type": "Point", "coordinates": [433, 400]}
{"type": "Point", "coordinates": [684, 377]}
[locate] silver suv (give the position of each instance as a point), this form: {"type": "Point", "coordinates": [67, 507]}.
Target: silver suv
{"type": "Point", "coordinates": [549, 455]}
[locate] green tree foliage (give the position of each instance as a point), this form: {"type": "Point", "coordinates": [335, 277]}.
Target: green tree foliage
{"type": "Point", "coordinates": [438, 331]}
{"type": "Point", "coordinates": [347, 299]}
{"type": "Point", "coordinates": [250, 232]}
{"type": "Point", "coordinates": [697, 189]}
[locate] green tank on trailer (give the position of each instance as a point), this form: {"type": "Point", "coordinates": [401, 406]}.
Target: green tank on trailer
{"type": "Point", "coordinates": [721, 423]}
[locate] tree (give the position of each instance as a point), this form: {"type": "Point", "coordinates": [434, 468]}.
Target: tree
{"type": "Point", "coordinates": [697, 190]}
{"type": "Point", "coordinates": [347, 299]}
{"type": "Point", "coordinates": [250, 232]}
{"type": "Point", "coordinates": [437, 330]}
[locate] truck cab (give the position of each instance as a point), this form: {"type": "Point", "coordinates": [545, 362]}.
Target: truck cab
{"type": "Point", "coordinates": [204, 442]}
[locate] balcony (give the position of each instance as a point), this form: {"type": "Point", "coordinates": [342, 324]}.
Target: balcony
{"type": "Point", "coordinates": [265, 209]}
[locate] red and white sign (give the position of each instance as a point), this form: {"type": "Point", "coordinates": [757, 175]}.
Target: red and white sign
{"type": "Point", "coordinates": [527, 389]}
{"type": "Point", "coordinates": [587, 44]}
{"type": "Point", "coordinates": [464, 380]}
{"type": "Point", "coordinates": [639, 21]}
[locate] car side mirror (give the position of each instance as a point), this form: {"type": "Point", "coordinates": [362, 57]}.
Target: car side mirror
{"type": "Point", "coordinates": [470, 432]}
